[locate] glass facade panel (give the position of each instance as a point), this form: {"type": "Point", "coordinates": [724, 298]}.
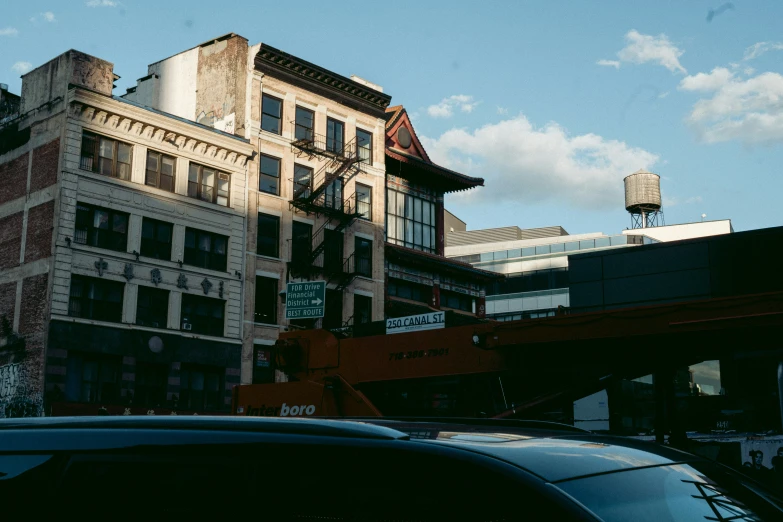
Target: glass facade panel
{"type": "Point", "coordinates": [542, 249]}
{"type": "Point", "coordinates": [572, 246]}
{"type": "Point", "coordinates": [557, 247]}
{"type": "Point", "coordinates": [590, 243]}
{"type": "Point", "coordinates": [409, 221]}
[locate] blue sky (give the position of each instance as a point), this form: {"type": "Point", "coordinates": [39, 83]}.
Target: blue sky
{"type": "Point", "coordinates": [510, 91]}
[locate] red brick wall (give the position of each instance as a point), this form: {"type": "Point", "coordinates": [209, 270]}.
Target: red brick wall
{"type": "Point", "coordinates": [10, 239]}
{"type": "Point", "coordinates": [33, 310]}
{"type": "Point", "coordinates": [13, 179]}
{"type": "Point", "coordinates": [8, 301]}
{"type": "Point", "coordinates": [40, 223]}
{"type": "Point", "coordinates": [44, 169]}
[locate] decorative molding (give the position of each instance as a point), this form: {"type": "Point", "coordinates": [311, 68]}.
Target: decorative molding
{"type": "Point", "coordinates": [152, 132]}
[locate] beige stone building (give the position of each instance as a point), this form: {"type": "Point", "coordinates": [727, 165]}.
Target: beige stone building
{"type": "Point", "coordinates": [315, 188]}
{"type": "Point", "coordinates": [126, 229]}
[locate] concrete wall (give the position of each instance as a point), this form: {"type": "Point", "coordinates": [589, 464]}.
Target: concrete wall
{"type": "Point", "coordinates": [52, 79]}
{"type": "Point", "coordinates": [452, 223]}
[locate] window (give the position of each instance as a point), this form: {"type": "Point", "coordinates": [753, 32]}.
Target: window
{"type": "Point", "coordinates": [304, 124]}
{"type": "Point", "coordinates": [456, 301]}
{"type": "Point", "coordinates": [364, 145]}
{"type": "Point", "coordinates": [333, 309]}
{"type": "Point", "coordinates": [202, 315]}
{"type": "Point", "coordinates": [271, 114]}
{"type": "Point", "coordinates": [101, 227]}
{"type": "Point", "coordinates": [160, 171]}
{"type": "Point", "coordinates": [269, 175]}
{"type": "Point", "coordinates": [333, 194]}
{"type": "Point", "coordinates": [301, 242]}
{"type": "Point", "coordinates": [208, 184]}
{"type": "Point", "coordinates": [362, 309]}
{"type": "Point", "coordinates": [303, 181]}
{"type": "Point", "coordinates": [266, 300]}
{"type": "Point", "coordinates": [152, 307]}
{"type": "Point", "coordinates": [363, 256]}
{"type": "Point", "coordinates": [268, 242]}
{"type": "Point", "coordinates": [201, 388]}
{"type": "Point", "coordinates": [156, 239]}
{"type": "Point", "coordinates": [93, 298]}
{"type": "Point", "coordinates": [150, 385]}
{"type": "Point", "coordinates": [410, 221]}
{"type": "Point", "coordinates": [205, 249]}
{"type": "Point", "coordinates": [335, 135]}
{"type": "Point", "coordinates": [333, 251]}
{"type": "Point", "coordinates": [412, 291]}
{"type": "Point", "coordinates": [364, 201]}
{"type": "Point", "coordinates": [106, 156]}
{"type": "Point", "coordinates": [93, 378]}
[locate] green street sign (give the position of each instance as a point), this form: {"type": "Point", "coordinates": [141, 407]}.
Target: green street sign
{"type": "Point", "coordinates": [305, 300]}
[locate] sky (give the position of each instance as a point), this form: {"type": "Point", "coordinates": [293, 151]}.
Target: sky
{"type": "Point", "coordinates": [552, 102]}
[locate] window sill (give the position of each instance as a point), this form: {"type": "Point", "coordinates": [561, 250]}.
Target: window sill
{"type": "Point", "coordinates": [265, 325]}
{"type": "Point", "coordinates": [268, 258]}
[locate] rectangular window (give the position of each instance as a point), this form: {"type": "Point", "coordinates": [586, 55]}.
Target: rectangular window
{"type": "Point", "coordinates": [152, 307]}
{"type": "Point", "coordinates": [333, 195]}
{"type": "Point", "coordinates": [301, 242]}
{"type": "Point", "coordinates": [150, 385]}
{"type": "Point", "coordinates": [363, 256]}
{"type": "Point", "coordinates": [101, 227]}
{"type": "Point", "coordinates": [335, 136]}
{"type": "Point", "coordinates": [364, 201]}
{"type": "Point", "coordinates": [333, 251]}
{"type": "Point", "coordinates": [364, 145]}
{"type": "Point", "coordinates": [412, 291]}
{"type": "Point", "coordinates": [202, 315]}
{"type": "Point", "coordinates": [266, 300]}
{"type": "Point", "coordinates": [208, 184]}
{"type": "Point", "coordinates": [304, 124]}
{"type": "Point", "coordinates": [106, 156]}
{"type": "Point", "coordinates": [93, 378]}
{"type": "Point", "coordinates": [269, 175]}
{"type": "Point", "coordinates": [94, 298]}
{"type": "Point", "coordinates": [362, 309]}
{"type": "Point", "coordinates": [205, 249]}
{"type": "Point", "coordinates": [303, 181]}
{"type": "Point", "coordinates": [333, 309]}
{"type": "Point", "coordinates": [456, 301]}
{"type": "Point", "coordinates": [201, 388]}
{"type": "Point", "coordinates": [156, 239]}
{"type": "Point", "coordinates": [160, 171]}
{"type": "Point", "coordinates": [410, 221]}
{"type": "Point", "coordinates": [271, 114]}
{"type": "Point", "coordinates": [268, 242]}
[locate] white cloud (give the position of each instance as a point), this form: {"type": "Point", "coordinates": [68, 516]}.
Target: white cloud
{"type": "Point", "coordinates": [9, 31]}
{"type": "Point", "coordinates": [102, 3]}
{"type": "Point", "coordinates": [663, 95]}
{"type": "Point", "coordinates": [643, 48]}
{"type": "Point", "coordinates": [445, 109]}
{"type": "Point", "coordinates": [22, 67]}
{"type": "Point", "coordinates": [47, 16]}
{"type": "Point", "coordinates": [693, 199]}
{"type": "Point", "coordinates": [749, 110]}
{"type": "Point", "coordinates": [748, 71]}
{"type": "Point", "coordinates": [711, 81]}
{"type": "Point", "coordinates": [525, 164]}
{"type": "Point", "coordinates": [759, 48]}
{"type": "Point", "coordinates": [502, 110]}
{"type": "Point", "coordinates": [609, 63]}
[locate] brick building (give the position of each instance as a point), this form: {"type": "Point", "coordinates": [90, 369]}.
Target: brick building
{"type": "Point", "coordinates": [315, 189]}
{"type": "Point", "coordinates": [122, 232]}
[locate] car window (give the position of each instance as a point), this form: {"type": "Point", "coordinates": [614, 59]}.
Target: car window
{"type": "Point", "coordinates": [674, 493]}
{"type": "Point", "coordinates": [285, 482]}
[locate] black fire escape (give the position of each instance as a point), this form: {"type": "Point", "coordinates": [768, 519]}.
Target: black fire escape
{"type": "Point", "coordinates": [323, 257]}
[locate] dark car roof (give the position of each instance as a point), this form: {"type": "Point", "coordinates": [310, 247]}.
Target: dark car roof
{"type": "Point", "coordinates": [551, 451]}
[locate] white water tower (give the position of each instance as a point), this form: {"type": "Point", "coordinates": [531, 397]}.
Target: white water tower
{"type": "Point", "coordinates": [643, 199]}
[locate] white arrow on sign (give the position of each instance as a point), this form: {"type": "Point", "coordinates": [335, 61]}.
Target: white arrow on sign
{"type": "Point", "coordinates": [317, 301]}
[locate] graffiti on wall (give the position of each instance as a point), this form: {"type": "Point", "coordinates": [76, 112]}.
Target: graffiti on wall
{"type": "Point", "coordinates": [15, 399]}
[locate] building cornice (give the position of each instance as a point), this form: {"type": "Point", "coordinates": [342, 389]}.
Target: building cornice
{"type": "Point", "coordinates": [136, 121]}
{"type": "Point", "coordinates": [296, 71]}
